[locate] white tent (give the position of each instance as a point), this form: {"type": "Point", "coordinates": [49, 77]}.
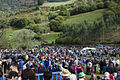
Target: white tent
{"type": "Point", "coordinates": [87, 49]}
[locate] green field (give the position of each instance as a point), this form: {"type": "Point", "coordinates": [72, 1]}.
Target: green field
{"type": "Point", "coordinates": [50, 37]}
{"type": "Point", "coordinates": [89, 16]}
{"type": "Point", "coordinates": [50, 4]}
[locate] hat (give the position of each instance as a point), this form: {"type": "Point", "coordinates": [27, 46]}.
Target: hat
{"type": "Point", "coordinates": [107, 75]}
{"type": "Point", "coordinates": [65, 72]}
{"type": "Point", "coordinates": [82, 74]}
{"type": "Point", "coordinates": [117, 62]}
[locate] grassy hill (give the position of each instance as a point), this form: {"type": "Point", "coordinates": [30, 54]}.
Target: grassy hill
{"type": "Point", "coordinates": [89, 16]}
{"type": "Point", "coordinates": [51, 4]}
{"type": "Point", "coordinates": [50, 37]}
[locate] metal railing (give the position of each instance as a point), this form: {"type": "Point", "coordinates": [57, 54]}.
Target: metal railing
{"type": "Point", "coordinates": [1, 78]}
{"type": "Point", "coordinates": [41, 76]}
{"type": "Point", "coordinates": [54, 76]}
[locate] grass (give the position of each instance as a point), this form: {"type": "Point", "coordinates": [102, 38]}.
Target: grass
{"type": "Point", "coordinates": [10, 31]}
{"type": "Point", "coordinates": [87, 77]}
{"type": "Point", "coordinates": [89, 16]}
{"type": "Point", "coordinates": [51, 4]}
{"type": "Point", "coordinates": [50, 37]}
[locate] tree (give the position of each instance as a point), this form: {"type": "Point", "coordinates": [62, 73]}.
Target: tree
{"type": "Point", "coordinates": [63, 11]}
{"type": "Point", "coordinates": [4, 41]}
{"type": "Point", "coordinates": [23, 39]}
{"type": "Point", "coordinates": [40, 2]}
{"type": "Point", "coordinates": [100, 5]}
{"type": "Point", "coordinates": [52, 15]}
{"type": "Point", "coordinates": [3, 23]}
{"type": "Point", "coordinates": [77, 41]}
{"type": "Point", "coordinates": [19, 22]}
{"type": "Point", "coordinates": [55, 25]}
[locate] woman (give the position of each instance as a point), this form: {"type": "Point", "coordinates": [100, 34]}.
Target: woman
{"type": "Point", "coordinates": [79, 69]}
{"type": "Point", "coordinates": [28, 74]}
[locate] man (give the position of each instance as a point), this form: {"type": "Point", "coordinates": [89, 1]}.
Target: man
{"type": "Point", "coordinates": [93, 77]}
{"type": "Point", "coordinates": [47, 75]}
{"type": "Point", "coordinates": [21, 62]}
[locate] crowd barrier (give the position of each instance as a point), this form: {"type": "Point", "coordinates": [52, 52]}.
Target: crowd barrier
{"type": "Point", "coordinates": [54, 76]}
{"type": "Point", "coordinates": [1, 78]}
{"type": "Point", "coordinates": [41, 76]}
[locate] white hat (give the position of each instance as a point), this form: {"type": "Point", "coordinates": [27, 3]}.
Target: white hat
{"type": "Point", "coordinates": [118, 62]}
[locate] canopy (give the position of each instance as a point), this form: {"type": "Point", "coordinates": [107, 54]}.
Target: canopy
{"type": "Point", "coordinates": [87, 48]}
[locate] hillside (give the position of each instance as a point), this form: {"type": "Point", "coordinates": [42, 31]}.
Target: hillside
{"type": "Point", "coordinates": [70, 22]}
{"type": "Point", "coordinates": [16, 5]}
{"type": "Point", "coordinates": [89, 16]}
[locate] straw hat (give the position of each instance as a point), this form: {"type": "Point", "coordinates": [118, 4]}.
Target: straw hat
{"type": "Point", "coordinates": [65, 72]}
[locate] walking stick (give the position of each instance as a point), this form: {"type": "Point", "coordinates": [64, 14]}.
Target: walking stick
{"type": "Point", "coordinates": [3, 72]}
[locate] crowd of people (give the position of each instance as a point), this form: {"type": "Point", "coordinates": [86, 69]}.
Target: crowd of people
{"type": "Point", "coordinates": [70, 61]}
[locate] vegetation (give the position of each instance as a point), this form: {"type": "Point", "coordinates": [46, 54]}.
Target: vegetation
{"type": "Point", "coordinates": [40, 2]}
{"type": "Point", "coordinates": [24, 40]}
{"type": "Point", "coordinates": [73, 22]}
{"type": "Point", "coordinates": [89, 16]}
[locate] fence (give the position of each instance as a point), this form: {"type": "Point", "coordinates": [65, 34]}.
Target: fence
{"type": "Point", "coordinates": [41, 76]}
{"type": "Point", "coordinates": [2, 78]}
{"type": "Point", "coordinates": [54, 76]}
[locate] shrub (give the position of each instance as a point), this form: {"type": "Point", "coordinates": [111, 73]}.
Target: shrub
{"type": "Point", "coordinates": [77, 41]}
{"type": "Point", "coordinates": [24, 40]}
{"type": "Point", "coordinates": [65, 40]}
{"type": "Point", "coordinates": [40, 2]}
{"type": "Point", "coordinates": [19, 22]}
{"type": "Point", "coordinates": [52, 15]}
{"type": "Point", "coordinates": [80, 9]}
{"type": "Point", "coordinates": [93, 7]}
{"type": "Point", "coordinates": [37, 8]}
{"type": "Point", "coordinates": [37, 20]}
{"type": "Point", "coordinates": [3, 23]}
{"type": "Point", "coordinates": [55, 25]}
{"type": "Point", "coordinates": [34, 27]}
{"type": "Point", "coordinates": [100, 5]}
{"type": "Point", "coordinates": [63, 11]}
{"type": "Point", "coordinates": [38, 37]}
{"type": "Point", "coordinates": [59, 18]}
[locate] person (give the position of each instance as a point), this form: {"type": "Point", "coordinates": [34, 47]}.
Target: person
{"type": "Point", "coordinates": [93, 77]}
{"type": "Point", "coordinates": [51, 68]}
{"type": "Point", "coordinates": [89, 67]}
{"type": "Point", "coordinates": [4, 63]}
{"type": "Point", "coordinates": [73, 76]}
{"type": "Point", "coordinates": [65, 74]}
{"type": "Point", "coordinates": [13, 75]}
{"type": "Point", "coordinates": [81, 76]}
{"type": "Point", "coordinates": [102, 64]}
{"type": "Point", "coordinates": [21, 63]}
{"type": "Point", "coordinates": [106, 76]}
{"type": "Point", "coordinates": [1, 73]}
{"type": "Point", "coordinates": [47, 75]}
{"type": "Point", "coordinates": [14, 67]}
{"type": "Point", "coordinates": [79, 69]}
{"type": "Point", "coordinates": [28, 74]}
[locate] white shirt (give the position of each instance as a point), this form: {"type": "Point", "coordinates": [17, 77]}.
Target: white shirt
{"type": "Point", "coordinates": [73, 77]}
